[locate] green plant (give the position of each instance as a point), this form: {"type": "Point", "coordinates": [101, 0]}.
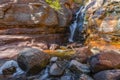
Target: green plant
{"type": "Point", "coordinates": [54, 4]}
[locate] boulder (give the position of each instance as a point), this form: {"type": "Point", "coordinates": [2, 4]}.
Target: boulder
{"type": "Point", "coordinates": [78, 67]}
{"type": "Point", "coordinates": [82, 54]}
{"type": "Point", "coordinates": [58, 68]}
{"type": "Point", "coordinates": [55, 70]}
{"type": "Point", "coordinates": [11, 68]}
{"type": "Point", "coordinates": [108, 75]}
{"type": "Point", "coordinates": [104, 61]}
{"type": "Point", "coordinates": [32, 60]}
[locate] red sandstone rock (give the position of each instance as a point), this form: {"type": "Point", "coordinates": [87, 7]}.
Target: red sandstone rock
{"type": "Point", "coordinates": [105, 61]}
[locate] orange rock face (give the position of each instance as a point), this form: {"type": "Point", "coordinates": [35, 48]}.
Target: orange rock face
{"type": "Point", "coordinates": [103, 26]}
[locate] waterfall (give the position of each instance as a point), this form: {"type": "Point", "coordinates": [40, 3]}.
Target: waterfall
{"type": "Point", "coordinates": [77, 23]}
{"type": "Point", "coordinates": [79, 18]}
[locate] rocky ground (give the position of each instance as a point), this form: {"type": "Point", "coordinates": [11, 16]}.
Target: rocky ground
{"type": "Point", "coordinates": [82, 64]}
{"type": "Point", "coordinates": [33, 40]}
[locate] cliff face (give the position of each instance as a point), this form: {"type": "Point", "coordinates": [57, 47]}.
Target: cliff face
{"type": "Point", "coordinates": [23, 22]}
{"type": "Point", "coordinates": [102, 18]}
{"type": "Point", "coordinates": [33, 17]}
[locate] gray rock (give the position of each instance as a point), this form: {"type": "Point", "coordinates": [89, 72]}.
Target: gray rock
{"type": "Point", "coordinates": [44, 75]}
{"type": "Point", "coordinates": [11, 67]}
{"type": "Point", "coordinates": [55, 70]}
{"type": "Point", "coordinates": [108, 75]}
{"type": "Point", "coordinates": [66, 77]}
{"type": "Point", "coordinates": [85, 77]}
{"type": "Point", "coordinates": [53, 59]}
{"type": "Point", "coordinates": [78, 67]}
{"type": "Point", "coordinates": [58, 68]}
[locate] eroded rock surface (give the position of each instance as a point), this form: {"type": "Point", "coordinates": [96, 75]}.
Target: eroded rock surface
{"type": "Point", "coordinates": [102, 20]}
{"type": "Point", "coordinates": [24, 22]}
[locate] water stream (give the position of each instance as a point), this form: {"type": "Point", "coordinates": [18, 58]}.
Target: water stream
{"type": "Point", "coordinates": [79, 20]}
{"type": "Point", "coordinates": [77, 23]}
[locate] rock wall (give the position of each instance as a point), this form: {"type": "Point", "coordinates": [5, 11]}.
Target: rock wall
{"type": "Point", "coordinates": [31, 18]}
{"type": "Point", "coordinates": [102, 18]}
{"type": "Point", "coordinates": [24, 22]}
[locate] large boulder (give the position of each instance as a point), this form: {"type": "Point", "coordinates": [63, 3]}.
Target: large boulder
{"type": "Point", "coordinates": [105, 61]}
{"type": "Point", "coordinates": [108, 75]}
{"type": "Point", "coordinates": [32, 60]}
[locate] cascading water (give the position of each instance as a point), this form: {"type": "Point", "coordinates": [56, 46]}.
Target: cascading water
{"type": "Point", "coordinates": [74, 25]}
{"type": "Point", "coordinates": [77, 23]}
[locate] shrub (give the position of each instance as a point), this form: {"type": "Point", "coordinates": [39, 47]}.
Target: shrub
{"type": "Point", "coordinates": [54, 4]}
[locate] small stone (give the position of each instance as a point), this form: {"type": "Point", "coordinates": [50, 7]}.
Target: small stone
{"type": "Point", "coordinates": [53, 59]}
{"type": "Point", "coordinates": [66, 78]}
{"type": "Point", "coordinates": [95, 50]}
{"type": "Point", "coordinates": [54, 46]}
{"type": "Point", "coordinates": [78, 67]}
{"type": "Point", "coordinates": [55, 70]}
{"type": "Point", "coordinates": [85, 77]}
{"type": "Point", "coordinates": [9, 71]}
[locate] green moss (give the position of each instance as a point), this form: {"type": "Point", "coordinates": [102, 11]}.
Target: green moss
{"type": "Point", "coordinates": [54, 4]}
